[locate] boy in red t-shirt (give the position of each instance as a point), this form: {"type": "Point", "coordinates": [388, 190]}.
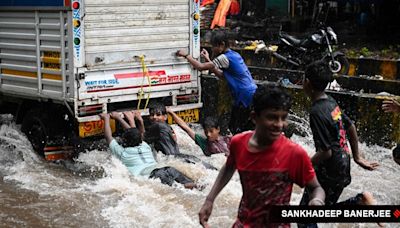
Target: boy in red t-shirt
{"type": "Point", "coordinates": [268, 164]}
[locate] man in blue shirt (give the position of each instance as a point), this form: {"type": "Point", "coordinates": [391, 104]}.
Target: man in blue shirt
{"type": "Point", "coordinates": [229, 65]}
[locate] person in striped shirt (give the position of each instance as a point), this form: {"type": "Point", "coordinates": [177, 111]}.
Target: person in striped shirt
{"type": "Point", "coordinates": [228, 64]}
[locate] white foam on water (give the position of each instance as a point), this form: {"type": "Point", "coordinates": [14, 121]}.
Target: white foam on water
{"type": "Point", "coordinates": [125, 201]}
{"type": "Point", "coordinates": [383, 183]}
{"type": "Point", "coordinates": [146, 202]}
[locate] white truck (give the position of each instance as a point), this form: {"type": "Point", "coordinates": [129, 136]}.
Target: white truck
{"type": "Point", "coordinates": [63, 62]}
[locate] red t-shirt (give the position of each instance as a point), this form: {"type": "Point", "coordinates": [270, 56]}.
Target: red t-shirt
{"type": "Point", "coordinates": [267, 177]}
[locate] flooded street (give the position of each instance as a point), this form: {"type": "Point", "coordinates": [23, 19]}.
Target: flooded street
{"type": "Point", "coordinates": [35, 193]}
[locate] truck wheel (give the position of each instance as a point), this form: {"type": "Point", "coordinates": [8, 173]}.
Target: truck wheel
{"type": "Point", "coordinates": [33, 125]}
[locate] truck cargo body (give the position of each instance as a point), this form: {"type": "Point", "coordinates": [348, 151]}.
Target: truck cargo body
{"type": "Point", "coordinates": [97, 56]}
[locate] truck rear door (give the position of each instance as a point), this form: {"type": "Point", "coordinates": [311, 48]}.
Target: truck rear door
{"type": "Point", "coordinates": [121, 39]}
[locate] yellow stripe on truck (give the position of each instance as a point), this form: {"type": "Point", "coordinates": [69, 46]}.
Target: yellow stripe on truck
{"type": "Point", "coordinates": [19, 73]}
{"type": "Point", "coordinates": [52, 76]}
{"type": "Point", "coordinates": [30, 74]}
{"type": "Point", "coordinates": [50, 60]}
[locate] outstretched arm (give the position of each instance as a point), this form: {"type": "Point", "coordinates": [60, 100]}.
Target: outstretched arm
{"type": "Point", "coordinates": [139, 118]}
{"type": "Point", "coordinates": [182, 123]}
{"type": "Point", "coordinates": [118, 116]}
{"type": "Point", "coordinates": [208, 65]}
{"type": "Point", "coordinates": [353, 138]}
{"type": "Point", "coordinates": [107, 128]}
{"type": "Point", "coordinates": [225, 174]}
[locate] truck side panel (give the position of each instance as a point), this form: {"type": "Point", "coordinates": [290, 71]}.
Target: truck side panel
{"type": "Point", "coordinates": [34, 54]}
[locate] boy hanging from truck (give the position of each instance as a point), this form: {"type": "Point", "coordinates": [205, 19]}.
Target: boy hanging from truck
{"type": "Point", "coordinates": [162, 136]}
{"type": "Point", "coordinates": [136, 154]}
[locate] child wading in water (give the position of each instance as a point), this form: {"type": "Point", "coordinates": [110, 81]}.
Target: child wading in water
{"type": "Point", "coordinates": [329, 126]}
{"type": "Point", "coordinates": [394, 107]}
{"type": "Point", "coordinates": [137, 155]}
{"type": "Point", "coordinates": [163, 137]}
{"type": "Point", "coordinates": [268, 164]}
{"type": "Point", "coordinates": [214, 143]}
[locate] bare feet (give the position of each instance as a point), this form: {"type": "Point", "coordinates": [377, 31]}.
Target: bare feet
{"type": "Point", "coordinates": [194, 185]}
{"type": "Point", "coordinates": [190, 185]}
{"type": "Point", "coordinates": [368, 199]}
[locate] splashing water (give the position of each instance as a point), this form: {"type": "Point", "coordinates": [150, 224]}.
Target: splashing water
{"type": "Point", "coordinates": [36, 193]}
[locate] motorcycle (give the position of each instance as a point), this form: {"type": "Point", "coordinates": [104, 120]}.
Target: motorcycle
{"type": "Point", "coordinates": [299, 53]}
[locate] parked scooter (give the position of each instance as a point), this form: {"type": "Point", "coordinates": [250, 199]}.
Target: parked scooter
{"type": "Point", "coordinates": [299, 53]}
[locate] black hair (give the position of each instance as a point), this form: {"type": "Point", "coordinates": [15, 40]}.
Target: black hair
{"type": "Point", "coordinates": [131, 137]}
{"type": "Point", "coordinates": [210, 122]}
{"type": "Point", "coordinates": [271, 97]}
{"type": "Point", "coordinates": [157, 108]}
{"type": "Point", "coordinates": [218, 37]}
{"type": "Point", "coordinates": [319, 75]}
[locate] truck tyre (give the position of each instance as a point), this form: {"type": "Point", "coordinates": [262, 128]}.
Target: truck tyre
{"type": "Point", "coordinates": [34, 127]}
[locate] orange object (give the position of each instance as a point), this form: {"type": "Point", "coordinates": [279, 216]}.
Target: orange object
{"type": "Point", "coordinates": [52, 153]}
{"type": "Point", "coordinates": [235, 8]}
{"type": "Point", "coordinates": [207, 2]}
{"type": "Point", "coordinates": [220, 13]}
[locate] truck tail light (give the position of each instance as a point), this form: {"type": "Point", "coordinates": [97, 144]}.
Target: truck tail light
{"type": "Point", "coordinates": [75, 5]}
{"type": "Point", "coordinates": [187, 99]}
{"type": "Point", "coordinates": [90, 110]}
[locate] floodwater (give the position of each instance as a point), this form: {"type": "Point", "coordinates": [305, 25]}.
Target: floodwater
{"type": "Point", "coordinates": [35, 193]}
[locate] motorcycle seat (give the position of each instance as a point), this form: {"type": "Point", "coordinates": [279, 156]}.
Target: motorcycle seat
{"type": "Point", "coordinates": [293, 40]}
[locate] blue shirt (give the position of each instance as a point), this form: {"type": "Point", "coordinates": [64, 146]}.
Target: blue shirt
{"type": "Point", "coordinates": [139, 159]}
{"type": "Point", "coordinates": [238, 76]}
